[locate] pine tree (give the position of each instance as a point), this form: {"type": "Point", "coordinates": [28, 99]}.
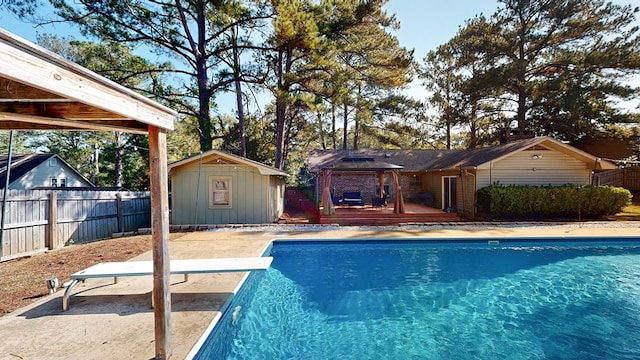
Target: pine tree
{"type": "Point", "coordinates": [560, 63]}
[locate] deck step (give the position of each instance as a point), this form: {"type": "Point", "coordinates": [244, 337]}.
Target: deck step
{"type": "Point", "coordinates": [385, 219]}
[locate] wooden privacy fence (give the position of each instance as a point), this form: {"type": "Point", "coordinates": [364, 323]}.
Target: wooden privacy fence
{"type": "Point", "coordinates": [628, 178]}
{"type": "Point", "coordinates": [40, 220]}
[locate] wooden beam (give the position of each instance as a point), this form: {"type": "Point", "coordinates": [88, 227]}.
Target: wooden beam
{"type": "Point", "coordinates": [49, 72]}
{"type": "Point", "coordinates": [160, 238]}
{"type": "Point", "coordinates": [13, 121]}
{"type": "Point", "coordinates": [63, 110]}
{"type": "Point", "coordinates": [13, 90]}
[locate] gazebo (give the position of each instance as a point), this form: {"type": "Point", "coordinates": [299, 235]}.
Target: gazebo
{"type": "Point", "coordinates": [366, 165]}
{"type": "Point", "coordinates": [40, 90]}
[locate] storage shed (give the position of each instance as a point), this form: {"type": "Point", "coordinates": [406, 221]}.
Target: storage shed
{"type": "Point", "coordinates": [220, 188]}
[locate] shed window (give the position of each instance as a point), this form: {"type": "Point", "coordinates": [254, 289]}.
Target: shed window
{"type": "Point", "coordinates": [219, 192]}
{"type": "Point", "coordinates": [54, 182]}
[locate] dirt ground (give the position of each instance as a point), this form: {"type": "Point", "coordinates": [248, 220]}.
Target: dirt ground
{"type": "Point", "coordinates": [23, 280]}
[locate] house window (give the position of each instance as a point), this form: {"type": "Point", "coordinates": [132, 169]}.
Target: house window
{"type": "Point", "coordinates": [415, 181]}
{"type": "Point", "coordinates": [53, 162]}
{"type": "Point", "coordinates": [219, 192]}
{"type": "Point", "coordinates": [54, 182]}
{"type": "Point", "coordinates": [63, 182]}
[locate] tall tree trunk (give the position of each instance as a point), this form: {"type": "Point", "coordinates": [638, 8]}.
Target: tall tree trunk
{"type": "Point", "coordinates": [118, 168]}
{"type": "Point", "coordinates": [96, 164]}
{"type": "Point", "coordinates": [356, 129]}
{"type": "Point", "coordinates": [204, 92]}
{"type": "Point", "coordinates": [522, 109]}
{"type": "Point", "coordinates": [356, 120]}
{"type": "Point", "coordinates": [473, 126]}
{"type": "Point", "coordinates": [323, 135]}
{"type": "Point", "coordinates": [344, 126]}
{"type": "Point", "coordinates": [236, 73]}
{"type": "Point", "coordinates": [283, 67]}
{"type": "Point", "coordinates": [333, 126]}
{"type": "Point", "coordinates": [281, 110]}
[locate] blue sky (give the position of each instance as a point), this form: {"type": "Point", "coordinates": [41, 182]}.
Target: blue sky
{"type": "Point", "coordinates": [424, 24]}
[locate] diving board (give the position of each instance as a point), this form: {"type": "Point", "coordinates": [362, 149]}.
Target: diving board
{"type": "Point", "coordinates": [177, 267]}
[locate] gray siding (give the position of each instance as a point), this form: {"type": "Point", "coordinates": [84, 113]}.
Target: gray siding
{"type": "Point", "coordinates": [554, 168]}
{"type": "Point", "coordinates": [252, 196]}
{"type": "Point", "coordinates": [40, 176]}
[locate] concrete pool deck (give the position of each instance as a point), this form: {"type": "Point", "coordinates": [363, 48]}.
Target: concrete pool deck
{"type": "Point", "coordinates": [115, 321]}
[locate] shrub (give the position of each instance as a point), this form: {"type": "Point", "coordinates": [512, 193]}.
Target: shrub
{"type": "Point", "coordinates": [548, 202]}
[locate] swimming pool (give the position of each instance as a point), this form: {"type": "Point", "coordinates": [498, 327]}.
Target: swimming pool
{"type": "Point", "coordinates": [525, 299]}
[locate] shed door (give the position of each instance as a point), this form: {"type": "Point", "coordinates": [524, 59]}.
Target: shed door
{"type": "Point", "coordinates": [449, 194]}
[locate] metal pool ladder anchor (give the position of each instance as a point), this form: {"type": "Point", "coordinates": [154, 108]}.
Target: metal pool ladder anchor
{"type": "Point", "coordinates": [493, 242]}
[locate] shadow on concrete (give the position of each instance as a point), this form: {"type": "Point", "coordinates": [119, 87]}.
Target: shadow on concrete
{"type": "Point", "coordinates": [126, 304]}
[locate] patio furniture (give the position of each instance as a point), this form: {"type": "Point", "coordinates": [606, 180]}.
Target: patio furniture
{"type": "Point", "coordinates": [425, 198]}
{"type": "Point", "coordinates": [352, 198]}
{"type": "Point", "coordinates": [185, 267]}
{"type": "Point", "coordinates": [378, 201]}
{"type": "Point", "coordinates": [337, 200]}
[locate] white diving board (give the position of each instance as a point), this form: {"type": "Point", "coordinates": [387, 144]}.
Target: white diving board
{"type": "Point", "coordinates": [179, 267]}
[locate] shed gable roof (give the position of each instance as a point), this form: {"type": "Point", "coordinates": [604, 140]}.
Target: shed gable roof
{"type": "Point", "coordinates": [216, 157]}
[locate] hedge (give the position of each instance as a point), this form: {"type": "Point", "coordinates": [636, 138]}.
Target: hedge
{"type": "Point", "coordinates": [548, 202]}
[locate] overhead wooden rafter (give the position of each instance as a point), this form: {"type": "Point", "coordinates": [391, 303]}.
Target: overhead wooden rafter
{"type": "Point", "coordinates": [60, 94]}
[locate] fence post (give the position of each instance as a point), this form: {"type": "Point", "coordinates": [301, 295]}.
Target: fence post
{"type": "Point", "coordinates": [52, 240]}
{"type": "Point", "coordinates": [119, 215]}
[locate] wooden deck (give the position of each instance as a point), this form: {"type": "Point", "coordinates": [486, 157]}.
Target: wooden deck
{"type": "Point", "coordinates": [369, 215]}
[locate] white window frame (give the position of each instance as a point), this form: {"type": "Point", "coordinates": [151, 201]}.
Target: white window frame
{"type": "Point", "coordinates": [415, 181]}
{"type": "Point", "coordinates": [63, 182]}
{"type": "Point", "coordinates": [220, 192]}
{"type": "Point", "coordinates": [451, 199]}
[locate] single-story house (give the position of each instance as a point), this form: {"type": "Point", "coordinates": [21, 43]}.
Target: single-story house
{"type": "Point", "coordinates": [220, 188]}
{"type": "Point", "coordinates": [448, 179]}
{"type": "Point", "coordinates": [30, 171]}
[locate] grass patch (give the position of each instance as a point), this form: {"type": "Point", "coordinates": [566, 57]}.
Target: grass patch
{"type": "Point", "coordinates": [631, 212]}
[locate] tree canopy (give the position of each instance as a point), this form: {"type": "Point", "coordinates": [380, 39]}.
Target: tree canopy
{"type": "Point", "coordinates": [559, 67]}
{"type": "Point", "coordinates": [332, 74]}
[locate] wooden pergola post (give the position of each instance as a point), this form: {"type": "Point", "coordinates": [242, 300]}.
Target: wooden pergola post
{"type": "Point", "coordinates": [160, 238]}
{"type": "Point", "coordinates": [327, 202]}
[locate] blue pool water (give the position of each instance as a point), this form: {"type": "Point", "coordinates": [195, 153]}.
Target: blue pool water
{"type": "Point", "coordinates": [426, 300]}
